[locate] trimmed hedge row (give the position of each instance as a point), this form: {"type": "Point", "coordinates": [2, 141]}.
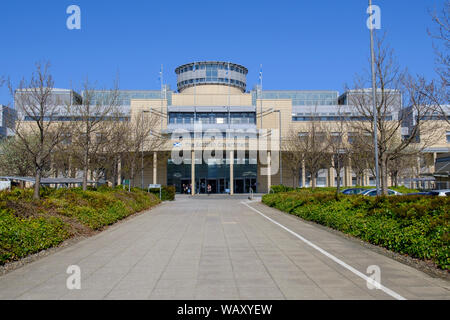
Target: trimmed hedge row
{"type": "Point", "coordinates": [414, 225]}
{"type": "Point", "coordinates": [28, 226]}
{"type": "Point", "coordinates": [281, 188]}
{"type": "Point", "coordinates": [167, 193]}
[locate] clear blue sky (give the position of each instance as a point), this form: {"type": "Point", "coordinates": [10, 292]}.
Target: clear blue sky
{"type": "Point", "coordinates": [301, 44]}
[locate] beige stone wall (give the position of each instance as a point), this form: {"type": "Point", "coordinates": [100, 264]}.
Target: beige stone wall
{"type": "Point", "coordinates": [148, 105]}
{"type": "Point", "coordinates": [210, 95]}
{"type": "Point", "coordinates": [161, 174]}
{"type": "Point", "coordinates": [270, 120]}
{"type": "Point", "coordinates": [435, 132]}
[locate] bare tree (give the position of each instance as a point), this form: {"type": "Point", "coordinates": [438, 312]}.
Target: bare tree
{"type": "Point", "coordinates": [337, 146]}
{"type": "Point", "coordinates": [37, 128]}
{"type": "Point", "coordinates": [311, 146]}
{"type": "Point", "coordinates": [442, 35]}
{"type": "Point", "coordinates": [393, 86]}
{"type": "Point", "coordinates": [88, 126]}
{"type": "Point", "coordinates": [360, 154]}
{"type": "Point", "coordinates": [15, 160]}
{"type": "Point", "coordinates": [400, 167]}
{"type": "Point", "coordinates": [292, 159]}
{"type": "Point", "coordinates": [438, 92]}
{"type": "Point", "coordinates": [115, 146]}
{"type": "Point", "coordinates": [142, 135]}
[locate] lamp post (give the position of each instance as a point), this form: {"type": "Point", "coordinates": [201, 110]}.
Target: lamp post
{"type": "Point", "coordinates": [281, 156]}
{"type": "Point", "coordinates": [374, 97]}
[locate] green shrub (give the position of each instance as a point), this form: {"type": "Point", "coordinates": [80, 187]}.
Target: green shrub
{"type": "Point", "coordinates": [413, 225]}
{"type": "Point", "coordinates": [28, 226]}
{"type": "Point", "coordinates": [167, 193]}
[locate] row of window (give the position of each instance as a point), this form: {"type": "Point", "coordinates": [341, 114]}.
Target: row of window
{"type": "Point", "coordinates": [76, 118]}
{"type": "Point", "coordinates": [299, 98]}
{"type": "Point", "coordinates": [336, 137]}
{"type": "Point", "coordinates": [212, 66]}
{"type": "Point", "coordinates": [212, 118]}
{"type": "Point", "coordinates": [335, 118]}
{"type": "Point", "coordinates": [211, 79]}
{"type": "Point", "coordinates": [436, 117]}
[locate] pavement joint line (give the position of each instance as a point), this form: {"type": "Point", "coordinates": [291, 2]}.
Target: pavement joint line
{"type": "Point", "coordinates": [129, 270]}
{"type": "Point", "coordinates": [287, 256]}
{"type": "Point", "coordinates": [262, 261]}
{"type": "Point", "coordinates": [186, 227]}
{"type": "Point", "coordinates": [338, 261]}
{"type": "Point", "coordinates": [51, 275]}
{"type": "Point", "coordinates": [229, 255]}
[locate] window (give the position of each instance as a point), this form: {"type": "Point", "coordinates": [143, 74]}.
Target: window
{"type": "Point", "coordinates": [351, 137]}
{"type": "Point", "coordinates": [336, 137]}
{"type": "Point", "coordinates": [211, 72]}
{"type": "Point", "coordinates": [448, 136]}
{"type": "Point", "coordinates": [66, 139]}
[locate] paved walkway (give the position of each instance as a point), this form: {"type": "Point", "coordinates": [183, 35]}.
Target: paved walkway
{"type": "Point", "coordinates": [217, 248]}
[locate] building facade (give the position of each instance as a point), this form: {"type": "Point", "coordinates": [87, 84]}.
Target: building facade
{"type": "Point", "coordinates": [7, 121]}
{"type": "Point", "coordinates": [220, 133]}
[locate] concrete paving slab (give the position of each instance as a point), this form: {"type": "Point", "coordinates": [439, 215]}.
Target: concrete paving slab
{"type": "Point", "coordinates": [216, 248]}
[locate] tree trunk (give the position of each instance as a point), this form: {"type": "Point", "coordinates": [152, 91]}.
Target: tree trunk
{"type": "Point", "coordinates": [338, 182]}
{"type": "Point", "coordinates": [131, 176]}
{"type": "Point", "coordinates": [384, 175]}
{"type": "Point", "coordinates": [313, 181]}
{"type": "Point", "coordinates": [85, 170]}
{"type": "Point", "coordinates": [115, 172]}
{"type": "Point", "coordinates": [37, 184]}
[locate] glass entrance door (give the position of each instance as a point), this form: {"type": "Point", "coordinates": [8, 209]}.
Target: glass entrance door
{"type": "Point", "coordinates": [238, 185]}
{"type": "Point", "coordinates": [213, 184]}
{"type": "Point", "coordinates": [250, 183]}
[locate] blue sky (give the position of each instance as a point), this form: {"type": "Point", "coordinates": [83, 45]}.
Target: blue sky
{"type": "Point", "coordinates": [303, 45]}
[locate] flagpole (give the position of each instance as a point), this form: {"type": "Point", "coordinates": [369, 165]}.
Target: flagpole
{"type": "Point", "coordinates": [229, 87]}
{"type": "Point", "coordinates": [162, 93]}
{"type": "Point", "coordinates": [260, 90]}
{"type": "Point", "coordinates": [195, 87]}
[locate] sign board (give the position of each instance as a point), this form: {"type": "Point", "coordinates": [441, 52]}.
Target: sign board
{"type": "Point", "coordinates": [155, 186]}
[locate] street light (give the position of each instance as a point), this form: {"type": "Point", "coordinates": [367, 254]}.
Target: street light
{"type": "Point", "coordinates": [265, 113]}
{"type": "Point", "coordinates": [281, 156]}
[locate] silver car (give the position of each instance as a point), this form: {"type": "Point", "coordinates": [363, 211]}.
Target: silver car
{"type": "Point", "coordinates": [373, 193]}
{"type": "Point", "coordinates": [441, 193]}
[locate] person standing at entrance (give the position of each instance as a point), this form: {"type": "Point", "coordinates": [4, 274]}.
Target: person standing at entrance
{"type": "Point", "coordinates": [209, 189]}
{"type": "Point", "coordinates": [203, 187]}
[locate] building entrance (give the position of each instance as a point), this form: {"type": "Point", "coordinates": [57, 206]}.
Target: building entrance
{"type": "Point", "coordinates": [216, 175]}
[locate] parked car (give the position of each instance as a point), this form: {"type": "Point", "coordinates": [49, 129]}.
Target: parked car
{"type": "Point", "coordinates": [373, 193]}
{"type": "Point", "coordinates": [428, 193]}
{"type": "Point", "coordinates": [441, 193]}
{"type": "Point", "coordinates": [353, 190]}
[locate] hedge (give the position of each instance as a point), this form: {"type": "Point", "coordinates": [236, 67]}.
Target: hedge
{"type": "Point", "coordinates": [417, 226]}
{"type": "Point", "coordinates": [28, 226]}
{"type": "Point", "coordinates": [167, 193]}
{"type": "Point", "coordinates": [282, 188]}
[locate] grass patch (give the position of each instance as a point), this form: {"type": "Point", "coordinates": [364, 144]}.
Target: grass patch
{"type": "Point", "coordinates": [28, 226]}
{"type": "Point", "coordinates": [417, 226]}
